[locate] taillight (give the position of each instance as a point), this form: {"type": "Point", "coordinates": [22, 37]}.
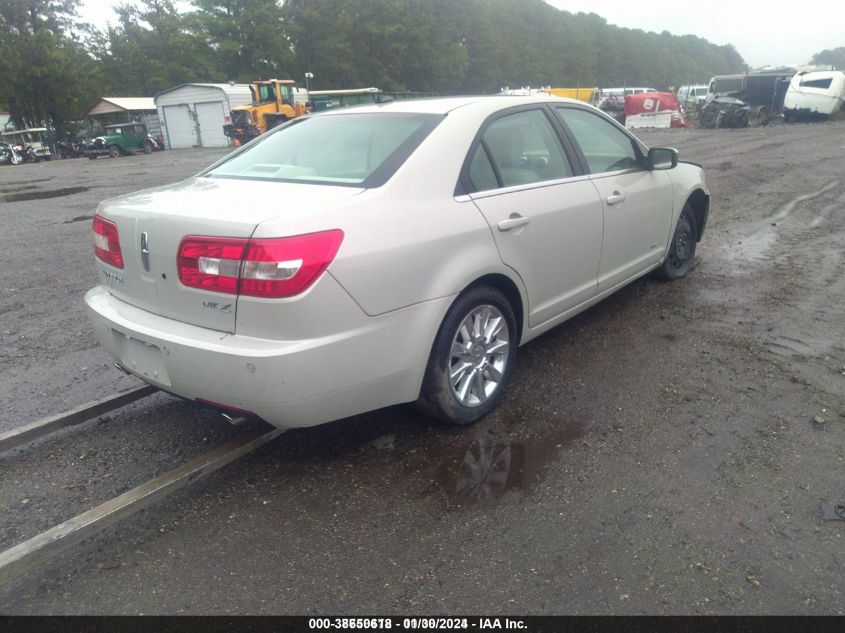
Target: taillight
{"type": "Point", "coordinates": [286, 266]}
{"type": "Point", "coordinates": [264, 267]}
{"type": "Point", "coordinates": [107, 242]}
{"type": "Point", "coordinates": [211, 263]}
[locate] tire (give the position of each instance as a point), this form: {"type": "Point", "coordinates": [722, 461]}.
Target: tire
{"type": "Point", "coordinates": [147, 146]}
{"type": "Point", "coordinates": [93, 157]}
{"type": "Point", "coordinates": [484, 365]}
{"type": "Point", "coordinates": [682, 248]}
{"type": "Point", "coordinates": [16, 159]}
{"type": "Point", "coordinates": [114, 151]}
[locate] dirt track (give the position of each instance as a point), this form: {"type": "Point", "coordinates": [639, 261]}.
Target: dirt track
{"type": "Point", "coordinates": [663, 449]}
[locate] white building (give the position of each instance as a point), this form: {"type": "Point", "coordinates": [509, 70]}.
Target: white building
{"type": "Point", "coordinates": [193, 115]}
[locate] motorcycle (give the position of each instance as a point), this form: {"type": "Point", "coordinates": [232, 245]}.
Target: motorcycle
{"type": "Point", "coordinates": [70, 148]}
{"type": "Point", "coordinates": [10, 154]}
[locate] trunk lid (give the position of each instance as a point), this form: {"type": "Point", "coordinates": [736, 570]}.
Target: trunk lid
{"type": "Point", "coordinates": [152, 223]}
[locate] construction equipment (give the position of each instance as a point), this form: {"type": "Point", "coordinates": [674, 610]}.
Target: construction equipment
{"type": "Point", "coordinates": [582, 94]}
{"type": "Point", "coordinates": [274, 101]}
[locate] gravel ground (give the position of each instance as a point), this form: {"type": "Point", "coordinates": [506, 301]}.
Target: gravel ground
{"type": "Point", "coordinates": [668, 451]}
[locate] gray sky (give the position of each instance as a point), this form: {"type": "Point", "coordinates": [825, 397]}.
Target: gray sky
{"type": "Point", "coordinates": [774, 33]}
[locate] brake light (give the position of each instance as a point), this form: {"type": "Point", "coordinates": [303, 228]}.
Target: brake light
{"type": "Point", "coordinates": [107, 242]}
{"type": "Point", "coordinates": [286, 266]}
{"type": "Point", "coordinates": [211, 263]}
{"type": "Point", "coordinates": [264, 267]}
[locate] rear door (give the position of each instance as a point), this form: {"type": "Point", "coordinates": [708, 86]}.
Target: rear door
{"type": "Point", "coordinates": [546, 219]}
{"type": "Point", "coordinates": [133, 136]}
{"type": "Point", "coordinates": [638, 202]}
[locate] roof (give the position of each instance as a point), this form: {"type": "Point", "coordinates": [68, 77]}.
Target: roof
{"type": "Point", "coordinates": [444, 105]}
{"type": "Point", "coordinates": [108, 105]}
{"type": "Point", "coordinates": [227, 88]}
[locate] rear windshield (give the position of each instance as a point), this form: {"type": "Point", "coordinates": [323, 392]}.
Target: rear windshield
{"type": "Point", "coordinates": [360, 150]}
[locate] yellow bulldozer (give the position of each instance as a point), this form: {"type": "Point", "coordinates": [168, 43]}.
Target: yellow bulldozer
{"type": "Point", "coordinates": [273, 102]}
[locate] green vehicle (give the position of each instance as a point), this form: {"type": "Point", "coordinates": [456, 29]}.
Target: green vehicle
{"type": "Point", "coordinates": [121, 139]}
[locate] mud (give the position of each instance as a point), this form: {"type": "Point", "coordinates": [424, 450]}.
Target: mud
{"type": "Point", "coordinates": [660, 453]}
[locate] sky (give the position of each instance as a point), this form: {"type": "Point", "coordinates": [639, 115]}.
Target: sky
{"type": "Point", "coordinates": [772, 34]}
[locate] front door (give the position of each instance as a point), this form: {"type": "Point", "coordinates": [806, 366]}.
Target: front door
{"type": "Point", "coordinates": [637, 201]}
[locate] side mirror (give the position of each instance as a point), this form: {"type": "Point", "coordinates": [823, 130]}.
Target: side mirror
{"type": "Point", "coordinates": [662, 158]}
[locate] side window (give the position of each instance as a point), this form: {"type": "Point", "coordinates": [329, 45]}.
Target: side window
{"type": "Point", "coordinates": [605, 147]}
{"type": "Point", "coordinates": [525, 149]}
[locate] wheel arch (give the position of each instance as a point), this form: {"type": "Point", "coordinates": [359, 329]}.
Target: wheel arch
{"type": "Point", "coordinates": [507, 287]}
{"type": "Point", "coordinates": [699, 202]}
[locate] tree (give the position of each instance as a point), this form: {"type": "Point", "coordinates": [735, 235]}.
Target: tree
{"type": "Point", "coordinates": [48, 76]}
{"type": "Point", "coordinates": [247, 37]}
{"type": "Point", "coordinates": [154, 47]}
{"type": "Point", "coordinates": [835, 58]}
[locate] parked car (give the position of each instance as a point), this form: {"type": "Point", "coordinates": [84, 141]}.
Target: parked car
{"type": "Point", "coordinates": [692, 96]}
{"type": "Point", "coordinates": [814, 95]}
{"type": "Point", "coordinates": [401, 252]}
{"type": "Point", "coordinates": [121, 139]}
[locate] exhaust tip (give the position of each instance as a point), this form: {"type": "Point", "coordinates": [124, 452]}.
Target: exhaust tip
{"type": "Point", "coordinates": [123, 369]}
{"type": "Point", "coordinates": [234, 420]}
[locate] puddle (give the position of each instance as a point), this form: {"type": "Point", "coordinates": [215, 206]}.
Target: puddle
{"type": "Point", "coordinates": [753, 248]}
{"type": "Point", "coordinates": [483, 471]}
{"type": "Point", "coordinates": [41, 195]}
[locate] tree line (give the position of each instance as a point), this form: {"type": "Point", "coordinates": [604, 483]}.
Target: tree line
{"type": "Point", "coordinates": [53, 66]}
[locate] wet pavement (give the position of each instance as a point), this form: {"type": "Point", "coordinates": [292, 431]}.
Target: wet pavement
{"type": "Point", "coordinates": [23, 193]}
{"type": "Point", "coordinates": [659, 453]}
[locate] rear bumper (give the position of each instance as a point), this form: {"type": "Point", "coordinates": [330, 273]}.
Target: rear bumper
{"type": "Point", "coordinates": [289, 383]}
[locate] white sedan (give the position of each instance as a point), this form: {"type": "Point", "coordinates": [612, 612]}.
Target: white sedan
{"type": "Point", "coordinates": [383, 254]}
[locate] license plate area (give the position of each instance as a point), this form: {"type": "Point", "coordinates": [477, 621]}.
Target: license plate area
{"type": "Point", "coordinates": [140, 357]}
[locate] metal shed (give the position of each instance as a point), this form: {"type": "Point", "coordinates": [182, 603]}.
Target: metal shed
{"type": "Point", "coordinates": [193, 115]}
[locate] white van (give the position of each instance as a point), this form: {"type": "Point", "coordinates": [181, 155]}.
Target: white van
{"type": "Point", "coordinates": [691, 96]}
{"type": "Point", "coordinates": [814, 94]}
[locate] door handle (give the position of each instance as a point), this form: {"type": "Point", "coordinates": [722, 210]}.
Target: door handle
{"type": "Point", "coordinates": [615, 198]}
{"type": "Point", "coordinates": [512, 222]}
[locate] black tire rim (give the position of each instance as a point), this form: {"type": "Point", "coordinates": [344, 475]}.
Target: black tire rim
{"type": "Point", "coordinates": [681, 251]}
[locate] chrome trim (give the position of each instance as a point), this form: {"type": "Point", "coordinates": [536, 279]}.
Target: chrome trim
{"type": "Point", "coordinates": [145, 251]}
{"type": "Point", "coordinates": [527, 187]}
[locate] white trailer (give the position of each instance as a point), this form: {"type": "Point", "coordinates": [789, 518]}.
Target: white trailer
{"type": "Point", "coordinates": [814, 95]}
